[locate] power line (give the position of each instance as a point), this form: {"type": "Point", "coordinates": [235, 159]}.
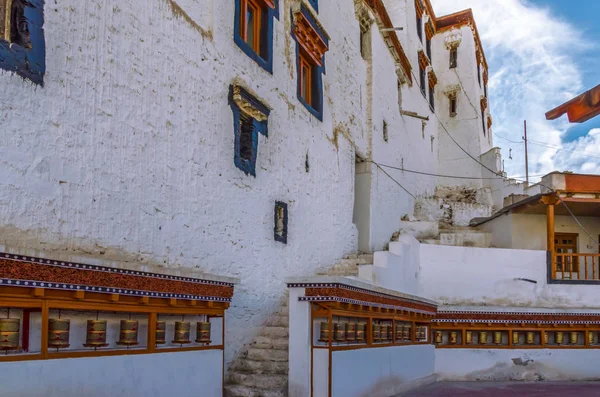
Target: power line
{"type": "Point", "coordinates": [397, 183]}
{"type": "Point", "coordinates": [506, 139]}
{"type": "Point", "coordinates": [565, 150]}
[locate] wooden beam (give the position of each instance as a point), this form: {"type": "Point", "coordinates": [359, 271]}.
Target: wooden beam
{"type": "Point", "coordinates": [550, 235]}
{"type": "Point", "coordinates": [79, 295]}
{"type": "Point", "coordinates": [39, 292]}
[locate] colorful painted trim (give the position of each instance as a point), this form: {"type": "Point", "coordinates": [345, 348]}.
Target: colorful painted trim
{"type": "Point", "coordinates": [358, 302]}
{"type": "Point", "coordinates": [25, 271]}
{"type": "Point", "coordinates": [349, 294]}
{"type": "Point", "coordinates": [516, 318]}
{"type": "Point", "coordinates": [29, 63]}
{"type": "Point", "coordinates": [316, 109]}
{"type": "Point", "coordinates": [264, 60]}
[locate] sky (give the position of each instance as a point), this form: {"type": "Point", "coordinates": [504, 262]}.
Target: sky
{"type": "Point", "coordinates": [540, 54]}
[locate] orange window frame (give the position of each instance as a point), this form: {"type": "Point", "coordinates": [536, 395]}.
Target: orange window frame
{"type": "Point", "coordinates": [306, 86]}
{"type": "Point", "coordinates": [258, 20]}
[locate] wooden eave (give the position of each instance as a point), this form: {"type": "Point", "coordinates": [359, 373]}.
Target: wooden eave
{"type": "Point", "coordinates": [423, 59]}
{"type": "Point", "coordinates": [390, 37]}
{"type": "Point", "coordinates": [269, 3]}
{"type": "Point", "coordinates": [484, 103]}
{"type": "Point", "coordinates": [579, 109]}
{"type": "Point", "coordinates": [309, 39]}
{"type": "Point", "coordinates": [432, 78]}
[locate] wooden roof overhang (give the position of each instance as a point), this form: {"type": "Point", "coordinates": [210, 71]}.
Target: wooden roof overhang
{"type": "Point", "coordinates": [580, 108]}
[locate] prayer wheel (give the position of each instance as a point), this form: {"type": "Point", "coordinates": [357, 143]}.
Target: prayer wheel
{"type": "Point", "coordinates": [324, 332]}
{"type": "Point", "coordinates": [351, 332]}
{"type": "Point", "coordinates": [498, 338]}
{"type": "Point", "coordinates": [530, 338]}
{"type": "Point", "coordinates": [559, 337]}
{"type": "Point", "coordinates": [9, 333]}
{"type": "Point", "coordinates": [161, 329]}
{"type": "Point", "coordinates": [438, 337]}
{"type": "Point", "coordinates": [58, 333]}
{"type": "Point", "coordinates": [360, 332]}
{"type": "Point", "coordinates": [406, 332]}
{"type": "Point", "coordinates": [340, 332]}
{"type": "Point", "coordinates": [515, 337]}
{"type": "Point", "coordinates": [384, 332]}
{"type": "Point", "coordinates": [203, 332]}
{"type": "Point", "coordinates": [546, 337]}
{"type": "Point", "coordinates": [469, 337]}
{"type": "Point", "coordinates": [574, 337]}
{"type": "Point", "coordinates": [96, 334]}
{"type": "Point", "coordinates": [590, 338]}
{"type": "Point", "coordinates": [128, 334]}
{"type": "Point", "coordinates": [453, 337]}
{"type": "Point", "coordinates": [182, 332]}
{"type": "Point", "coordinates": [376, 333]}
{"type": "Point", "coordinates": [482, 337]}
{"type": "Point", "coordinates": [399, 332]}
{"type": "Point", "coordinates": [390, 337]}
{"type": "Point", "coordinates": [423, 333]}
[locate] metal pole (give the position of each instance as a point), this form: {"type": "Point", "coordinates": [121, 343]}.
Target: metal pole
{"type": "Point", "coordinates": [526, 154]}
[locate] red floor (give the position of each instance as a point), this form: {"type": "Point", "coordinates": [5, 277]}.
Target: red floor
{"type": "Point", "coordinates": [512, 389]}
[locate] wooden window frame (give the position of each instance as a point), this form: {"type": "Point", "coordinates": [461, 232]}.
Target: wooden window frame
{"type": "Point", "coordinates": [258, 23]}
{"type": "Point", "coordinates": [454, 58]}
{"type": "Point", "coordinates": [557, 245]}
{"type": "Point", "coordinates": [304, 63]}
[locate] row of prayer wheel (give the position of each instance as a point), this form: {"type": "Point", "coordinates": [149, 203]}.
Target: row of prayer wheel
{"type": "Point", "coordinates": [353, 332]}
{"type": "Point", "coordinates": [559, 337]}
{"type": "Point", "coordinates": [59, 332]}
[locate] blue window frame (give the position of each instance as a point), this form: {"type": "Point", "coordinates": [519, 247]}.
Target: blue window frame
{"type": "Point", "coordinates": [264, 56]}
{"type": "Point", "coordinates": [24, 51]}
{"type": "Point", "coordinates": [314, 104]}
{"type": "Point", "coordinates": [246, 128]}
{"type": "Point", "coordinates": [314, 4]}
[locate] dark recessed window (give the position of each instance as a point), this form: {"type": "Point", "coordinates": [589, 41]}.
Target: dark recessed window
{"type": "Point", "coordinates": [453, 58]}
{"type": "Point", "coordinates": [485, 89]}
{"type": "Point", "coordinates": [483, 121]}
{"type": "Point", "coordinates": [428, 48]}
{"type": "Point", "coordinates": [432, 98]}
{"type": "Point", "coordinates": [479, 74]}
{"type": "Point", "coordinates": [385, 131]}
{"type": "Point", "coordinates": [281, 222]}
{"type": "Point", "coordinates": [250, 117]}
{"type": "Point", "coordinates": [420, 27]}
{"type": "Point", "coordinates": [452, 106]}
{"type": "Point", "coordinates": [422, 76]}
{"type": "Point", "coordinates": [254, 30]}
{"type": "Point", "coordinates": [22, 45]}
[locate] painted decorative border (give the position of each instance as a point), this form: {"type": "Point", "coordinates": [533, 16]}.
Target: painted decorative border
{"type": "Point", "coordinates": [26, 271]}
{"type": "Point", "coordinates": [515, 317]}
{"type": "Point", "coordinates": [341, 292]}
{"type": "Point", "coordinates": [358, 302]}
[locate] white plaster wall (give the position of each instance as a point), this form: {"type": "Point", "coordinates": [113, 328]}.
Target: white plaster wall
{"type": "Point", "coordinates": [491, 276]}
{"type": "Point", "coordinates": [515, 364]}
{"type": "Point", "coordinates": [126, 153]}
{"type": "Point", "coordinates": [181, 374]}
{"type": "Point", "coordinates": [380, 372]}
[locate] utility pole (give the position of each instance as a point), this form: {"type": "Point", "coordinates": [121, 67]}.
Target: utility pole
{"type": "Point", "coordinates": [526, 154]}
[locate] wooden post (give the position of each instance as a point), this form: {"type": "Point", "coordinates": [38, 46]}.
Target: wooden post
{"type": "Point", "coordinates": [550, 245]}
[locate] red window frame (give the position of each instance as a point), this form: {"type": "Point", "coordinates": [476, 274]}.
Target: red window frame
{"type": "Point", "coordinates": [258, 9]}
{"type": "Point", "coordinates": [306, 86]}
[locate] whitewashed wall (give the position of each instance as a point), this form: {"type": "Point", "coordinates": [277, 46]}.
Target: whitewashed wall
{"type": "Point", "coordinates": [125, 156]}
{"type": "Point", "coordinates": [180, 374]}
{"type": "Point", "coordinates": [493, 277]}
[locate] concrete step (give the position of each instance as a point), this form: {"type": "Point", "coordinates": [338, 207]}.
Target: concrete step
{"type": "Point", "coordinates": [278, 320]}
{"type": "Point", "coordinates": [260, 367]}
{"type": "Point", "coordinates": [267, 355]}
{"type": "Point", "coordinates": [246, 391]}
{"type": "Point", "coordinates": [466, 239]}
{"type": "Point", "coordinates": [259, 381]}
{"type": "Point", "coordinates": [275, 332]}
{"type": "Point", "coordinates": [430, 241]}
{"type": "Point", "coordinates": [263, 342]}
{"type": "Point", "coordinates": [419, 229]}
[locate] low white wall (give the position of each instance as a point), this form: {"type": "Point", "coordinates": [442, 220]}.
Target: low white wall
{"type": "Point", "coordinates": [196, 373]}
{"type": "Point", "coordinates": [380, 372]}
{"type": "Point", "coordinates": [469, 276]}
{"type": "Point", "coordinates": [528, 365]}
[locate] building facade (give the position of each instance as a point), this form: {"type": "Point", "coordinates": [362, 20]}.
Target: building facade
{"type": "Point", "coordinates": [254, 139]}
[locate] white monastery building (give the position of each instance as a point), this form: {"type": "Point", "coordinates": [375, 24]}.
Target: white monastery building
{"type": "Point", "coordinates": [263, 198]}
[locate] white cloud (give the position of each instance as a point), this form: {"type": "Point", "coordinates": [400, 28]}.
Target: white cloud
{"type": "Point", "coordinates": [532, 56]}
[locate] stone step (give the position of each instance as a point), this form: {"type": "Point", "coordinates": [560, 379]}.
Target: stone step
{"type": "Point", "coordinates": [245, 391]}
{"type": "Point", "coordinates": [263, 342]}
{"type": "Point", "coordinates": [259, 381]}
{"type": "Point", "coordinates": [278, 320]}
{"type": "Point", "coordinates": [260, 367]}
{"type": "Point", "coordinates": [419, 229]}
{"type": "Point", "coordinates": [266, 355]}
{"type": "Point", "coordinates": [466, 239]}
{"type": "Point", "coordinates": [275, 332]}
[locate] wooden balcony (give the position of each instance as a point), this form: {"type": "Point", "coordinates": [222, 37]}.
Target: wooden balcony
{"type": "Point", "coordinates": [576, 266]}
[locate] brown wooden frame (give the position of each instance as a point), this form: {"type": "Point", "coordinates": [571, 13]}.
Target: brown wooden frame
{"type": "Point", "coordinates": [45, 300]}
{"type": "Point", "coordinates": [258, 22]}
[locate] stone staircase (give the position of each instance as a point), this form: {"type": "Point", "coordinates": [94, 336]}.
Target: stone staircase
{"type": "Point", "coordinates": [262, 369]}
{"type": "Point", "coordinates": [444, 218]}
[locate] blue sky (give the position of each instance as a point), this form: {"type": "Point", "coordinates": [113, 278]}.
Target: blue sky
{"type": "Point", "coordinates": [541, 53]}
